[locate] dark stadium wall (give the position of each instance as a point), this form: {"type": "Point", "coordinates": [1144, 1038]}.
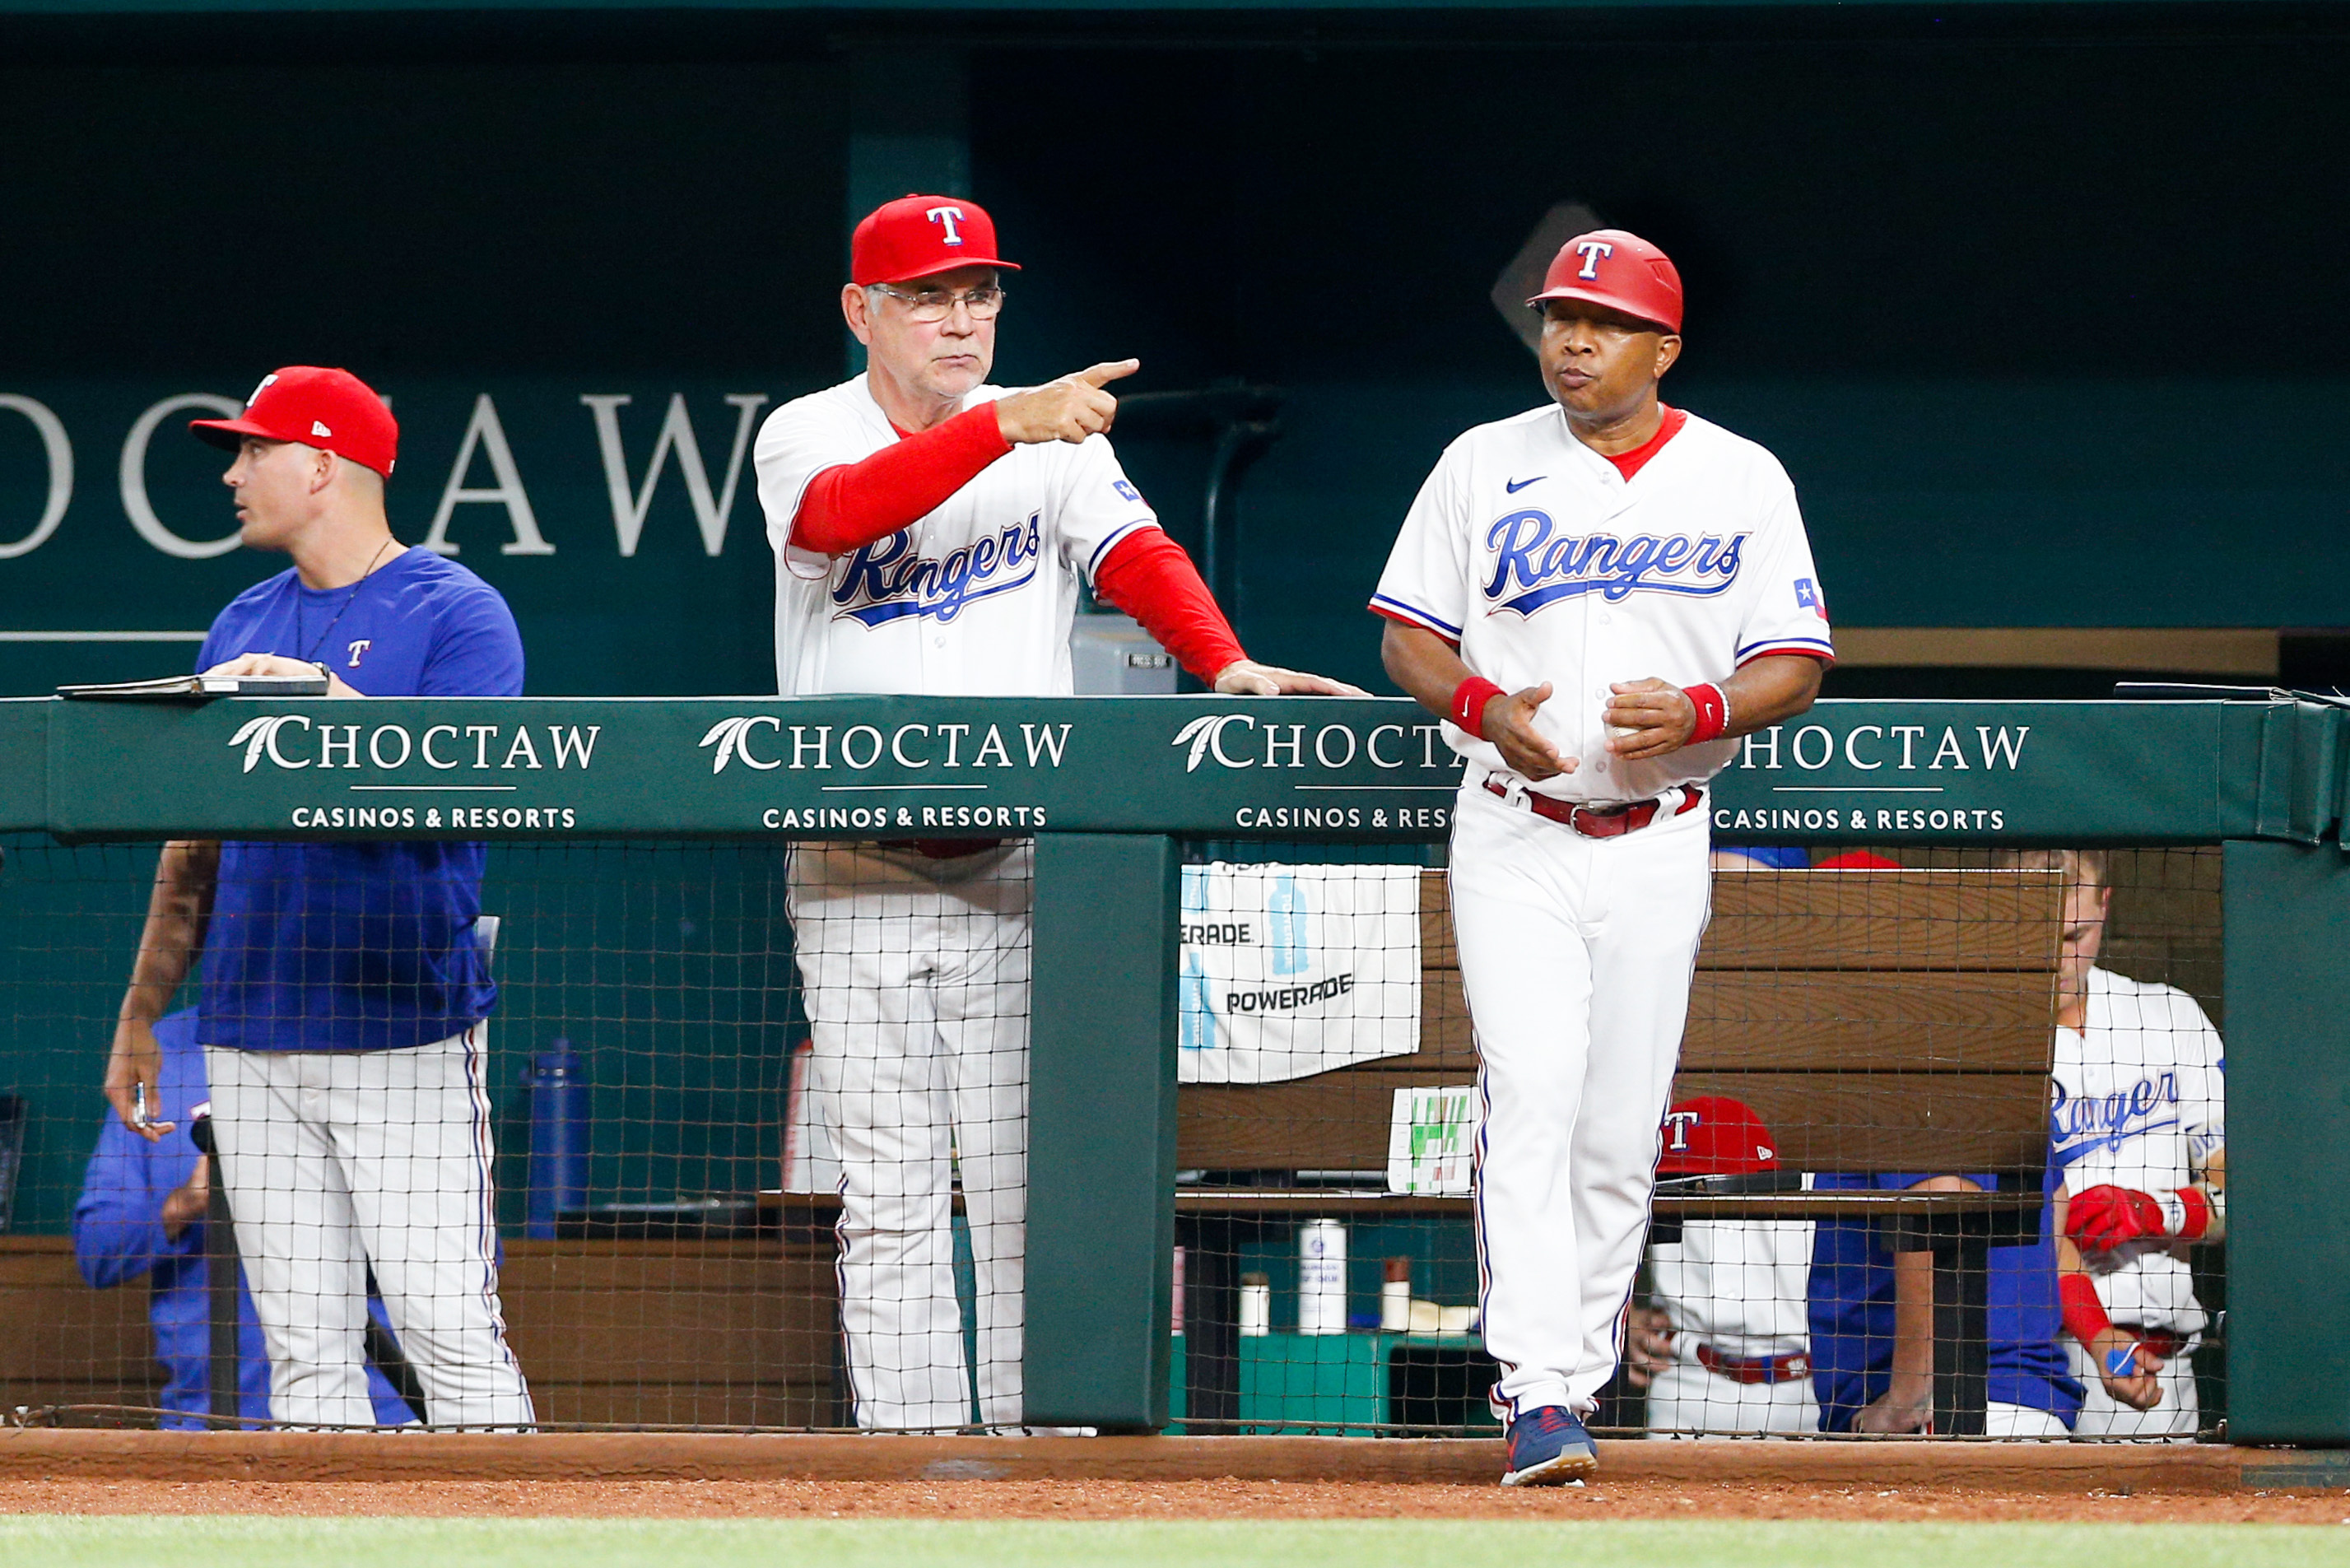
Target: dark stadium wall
{"type": "Point", "coordinates": [522, 256]}
{"type": "Point", "coordinates": [2040, 345]}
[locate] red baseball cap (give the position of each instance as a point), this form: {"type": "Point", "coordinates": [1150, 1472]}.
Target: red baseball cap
{"type": "Point", "coordinates": [333, 411]}
{"type": "Point", "coordinates": [1713, 1134]}
{"type": "Point", "coordinates": [1619, 270]}
{"type": "Point", "coordinates": [1856, 861]}
{"type": "Point", "coordinates": [917, 236]}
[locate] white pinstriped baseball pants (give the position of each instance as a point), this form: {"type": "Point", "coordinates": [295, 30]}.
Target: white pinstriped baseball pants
{"type": "Point", "coordinates": [2103, 1415]}
{"type": "Point", "coordinates": [338, 1160]}
{"type": "Point", "coordinates": [917, 976]}
{"type": "Point", "coordinates": [1576, 955]}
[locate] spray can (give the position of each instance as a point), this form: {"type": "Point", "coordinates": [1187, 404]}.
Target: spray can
{"type": "Point", "coordinates": [1256, 1305]}
{"type": "Point", "coordinates": [1395, 1296]}
{"type": "Point", "coordinates": [556, 1175]}
{"type": "Point", "coordinates": [1322, 1277]}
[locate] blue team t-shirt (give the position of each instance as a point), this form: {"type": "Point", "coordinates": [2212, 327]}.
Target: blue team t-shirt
{"type": "Point", "coordinates": [1851, 1314]}
{"type": "Point", "coordinates": [357, 947]}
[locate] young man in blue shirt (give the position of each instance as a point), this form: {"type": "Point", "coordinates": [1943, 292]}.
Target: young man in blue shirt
{"type": "Point", "coordinates": [344, 990]}
{"type": "Point", "coordinates": [142, 1214]}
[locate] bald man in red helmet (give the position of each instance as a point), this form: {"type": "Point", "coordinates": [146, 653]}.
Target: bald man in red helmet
{"type": "Point", "coordinates": [1598, 596]}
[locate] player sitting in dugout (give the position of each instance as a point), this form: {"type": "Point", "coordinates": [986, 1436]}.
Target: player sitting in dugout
{"type": "Point", "coordinates": [2092, 1326]}
{"type": "Point", "coordinates": [2138, 1132]}
{"type": "Point", "coordinates": [143, 1213]}
{"type": "Point", "coordinates": [1721, 1346]}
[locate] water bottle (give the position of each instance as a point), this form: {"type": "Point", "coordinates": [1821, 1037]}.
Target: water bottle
{"type": "Point", "coordinates": [1289, 920]}
{"type": "Point", "coordinates": [556, 1177]}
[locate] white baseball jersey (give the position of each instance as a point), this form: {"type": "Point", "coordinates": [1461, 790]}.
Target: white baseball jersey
{"type": "Point", "coordinates": [975, 599]}
{"type": "Point", "coordinates": [1742, 1286]}
{"type": "Point", "coordinates": [1542, 562]}
{"type": "Point", "coordinates": [2139, 1101]}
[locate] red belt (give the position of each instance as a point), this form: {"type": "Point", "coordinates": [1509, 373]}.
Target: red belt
{"type": "Point", "coordinates": [1760, 1370]}
{"type": "Point", "coordinates": [1602, 821]}
{"type": "Point", "coordinates": [2160, 1340]}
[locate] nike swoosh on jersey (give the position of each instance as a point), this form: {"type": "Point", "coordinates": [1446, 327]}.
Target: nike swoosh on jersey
{"type": "Point", "coordinates": [1514, 485]}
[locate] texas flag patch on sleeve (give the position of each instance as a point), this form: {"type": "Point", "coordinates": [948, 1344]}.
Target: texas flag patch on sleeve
{"type": "Point", "coordinates": [1808, 596]}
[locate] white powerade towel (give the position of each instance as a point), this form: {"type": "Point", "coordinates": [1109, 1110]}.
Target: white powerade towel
{"type": "Point", "coordinates": [1289, 970]}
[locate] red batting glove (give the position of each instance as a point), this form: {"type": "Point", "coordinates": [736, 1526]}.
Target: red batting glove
{"type": "Point", "coordinates": [2103, 1218]}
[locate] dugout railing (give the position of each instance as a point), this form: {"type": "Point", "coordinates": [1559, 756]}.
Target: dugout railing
{"type": "Point", "coordinates": [1113, 790]}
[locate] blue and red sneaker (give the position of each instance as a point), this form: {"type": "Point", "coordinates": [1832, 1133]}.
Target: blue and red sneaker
{"type": "Point", "coordinates": [1548, 1446]}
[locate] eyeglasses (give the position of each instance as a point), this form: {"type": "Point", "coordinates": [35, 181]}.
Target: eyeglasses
{"type": "Point", "coordinates": [938, 303]}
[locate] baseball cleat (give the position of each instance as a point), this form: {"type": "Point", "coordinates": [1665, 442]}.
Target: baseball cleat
{"type": "Point", "coordinates": [1548, 1446]}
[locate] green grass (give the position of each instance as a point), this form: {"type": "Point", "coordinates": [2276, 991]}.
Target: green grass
{"type": "Point", "coordinates": [309, 1542]}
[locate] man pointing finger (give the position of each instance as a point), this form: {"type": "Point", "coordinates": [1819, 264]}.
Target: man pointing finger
{"type": "Point", "coordinates": [931, 533]}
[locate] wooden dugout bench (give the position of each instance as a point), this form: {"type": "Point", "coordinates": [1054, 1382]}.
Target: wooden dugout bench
{"type": "Point", "coordinates": [1879, 1020]}
{"type": "Point", "coordinates": [736, 1332]}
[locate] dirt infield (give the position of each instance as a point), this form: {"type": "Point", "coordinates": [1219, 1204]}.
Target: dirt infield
{"type": "Point", "coordinates": [1229, 1499]}
{"type": "Point", "coordinates": [710, 1475]}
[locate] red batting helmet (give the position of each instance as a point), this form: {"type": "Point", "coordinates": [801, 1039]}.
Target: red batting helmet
{"type": "Point", "coordinates": [1712, 1135]}
{"type": "Point", "coordinates": [1619, 270]}
{"type": "Point", "coordinates": [916, 236]}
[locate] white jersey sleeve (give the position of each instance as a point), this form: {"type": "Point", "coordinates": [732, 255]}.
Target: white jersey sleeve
{"type": "Point", "coordinates": [1426, 583]}
{"type": "Point", "coordinates": [1096, 505]}
{"type": "Point", "coordinates": [2202, 1082]}
{"type": "Point", "coordinates": [1788, 613]}
{"type": "Point", "coordinates": [798, 441]}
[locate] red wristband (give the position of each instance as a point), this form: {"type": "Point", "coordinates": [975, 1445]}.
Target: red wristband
{"type": "Point", "coordinates": [2085, 1314]}
{"type": "Point", "coordinates": [1469, 700]}
{"type": "Point", "coordinates": [2195, 1214]}
{"type": "Point", "coordinates": [1712, 712]}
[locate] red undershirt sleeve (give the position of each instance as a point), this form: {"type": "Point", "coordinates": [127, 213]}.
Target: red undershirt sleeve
{"type": "Point", "coordinates": [851, 506]}
{"type": "Point", "coordinates": [1149, 576]}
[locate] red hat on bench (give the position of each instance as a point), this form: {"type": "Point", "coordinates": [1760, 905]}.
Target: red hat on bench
{"type": "Point", "coordinates": [1713, 1134]}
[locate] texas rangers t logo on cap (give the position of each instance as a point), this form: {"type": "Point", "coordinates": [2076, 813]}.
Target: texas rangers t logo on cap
{"type": "Point", "coordinates": [1591, 251]}
{"type": "Point", "coordinates": [949, 216]}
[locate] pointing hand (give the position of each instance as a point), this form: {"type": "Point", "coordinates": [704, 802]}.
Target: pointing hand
{"type": "Point", "coordinates": [1070, 408]}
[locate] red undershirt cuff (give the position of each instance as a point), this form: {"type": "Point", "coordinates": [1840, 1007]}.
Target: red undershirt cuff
{"type": "Point", "coordinates": [2193, 1221]}
{"type": "Point", "coordinates": [2085, 1314]}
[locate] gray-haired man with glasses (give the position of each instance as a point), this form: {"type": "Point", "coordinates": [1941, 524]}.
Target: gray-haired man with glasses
{"type": "Point", "coordinates": [930, 533]}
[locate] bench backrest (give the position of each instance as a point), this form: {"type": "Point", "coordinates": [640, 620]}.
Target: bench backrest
{"type": "Point", "coordinates": [1876, 1021]}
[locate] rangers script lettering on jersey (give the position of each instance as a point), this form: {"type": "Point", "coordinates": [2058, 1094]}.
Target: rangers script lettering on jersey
{"type": "Point", "coordinates": [1542, 562]}
{"type": "Point", "coordinates": [975, 599]}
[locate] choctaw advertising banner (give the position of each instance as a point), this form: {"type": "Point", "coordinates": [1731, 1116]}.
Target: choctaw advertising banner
{"type": "Point", "coordinates": [1203, 766]}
